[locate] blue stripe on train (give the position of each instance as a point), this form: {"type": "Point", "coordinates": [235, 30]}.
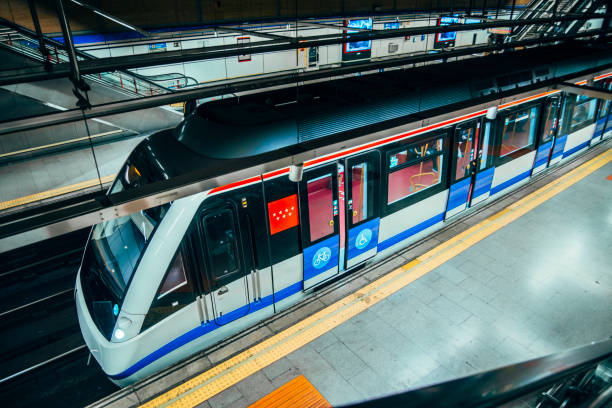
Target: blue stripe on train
{"type": "Point", "coordinates": [410, 231]}
{"type": "Point", "coordinates": [542, 155]}
{"type": "Point", "coordinates": [510, 182]}
{"type": "Point", "coordinates": [559, 146]}
{"type": "Point", "coordinates": [458, 194]}
{"type": "Point", "coordinates": [483, 182]}
{"type": "Point", "coordinates": [575, 149]}
{"type": "Point", "coordinates": [203, 329]}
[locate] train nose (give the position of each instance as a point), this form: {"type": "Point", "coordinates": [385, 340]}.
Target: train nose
{"type": "Point", "coordinates": [86, 325]}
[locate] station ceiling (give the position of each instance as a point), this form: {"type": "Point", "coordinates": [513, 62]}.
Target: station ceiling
{"type": "Point", "coordinates": [182, 14]}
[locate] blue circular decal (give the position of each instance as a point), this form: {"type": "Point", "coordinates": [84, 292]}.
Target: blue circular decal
{"type": "Point", "coordinates": [321, 257]}
{"type": "Point", "coordinates": [363, 238]}
{"type": "Point", "coordinates": [116, 309]}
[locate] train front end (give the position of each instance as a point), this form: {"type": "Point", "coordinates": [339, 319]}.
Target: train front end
{"type": "Point", "coordinates": [109, 319]}
{"type": "Point", "coordinates": [111, 257]}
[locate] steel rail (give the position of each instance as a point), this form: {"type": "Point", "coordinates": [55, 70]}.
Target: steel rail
{"type": "Point", "coordinates": [18, 308]}
{"type": "Point", "coordinates": [221, 51]}
{"type": "Point", "coordinates": [42, 364]}
{"type": "Point", "coordinates": [244, 85]}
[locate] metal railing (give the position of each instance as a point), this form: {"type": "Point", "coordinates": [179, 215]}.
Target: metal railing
{"type": "Point", "coordinates": [576, 377]}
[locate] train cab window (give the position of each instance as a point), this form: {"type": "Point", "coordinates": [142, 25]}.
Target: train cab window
{"type": "Point", "coordinates": [518, 131]}
{"type": "Point", "coordinates": [583, 113]}
{"type": "Point", "coordinates": [320, 206]}
{"type": "Point", "coordinates": [175, 292]}
{"type": "Point", "coordinates": [414, 169]}
{"type": "Point", "coordinates": [220, 231]}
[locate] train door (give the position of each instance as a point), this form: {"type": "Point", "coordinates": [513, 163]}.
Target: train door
{"type": "Point", "coordinates": [361, 209]}
{"type": "Point", "coordinates": [227, 272]}
{"type": "Point", "coordinates": [471, 166]}
{"type": "Point", "coordinates": [320, 213]}
{"type": "Point", "coordinates": [463, 166]}
{"type": "Point", "coordinates": [548, 133]}
{"type": "Point", "coordinates": [602, 122]}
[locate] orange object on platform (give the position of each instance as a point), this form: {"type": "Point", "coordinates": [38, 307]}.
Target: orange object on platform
{"type": "Point", "coordinates": [609, 177]}
{"type": "Point", "coordinates": [297, 393]}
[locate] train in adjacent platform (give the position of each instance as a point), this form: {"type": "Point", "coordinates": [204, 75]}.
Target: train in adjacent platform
{"type": "Point", "coordinates": [161, 284]}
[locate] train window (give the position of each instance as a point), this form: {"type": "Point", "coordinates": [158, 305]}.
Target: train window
{"type": "Point", "coordinates": [603, 110]}
{"type": "Point", "coordinates": [464, 151]}
{"type": "Point", "coordinates": [550, 120]}
{"type": "Point", "coordinates": [486, 150]}
{"type": "Point", "coordinates": [362, 192]}
{"type": "Point", "coordinates": [175, 292]}
{"type": "Point", "coordinates": [583, 113]}
{"type": "Point", "coordinates": [519, 131]}
{"type": "Point", "coordinates": [320, 207]}
{"type": "Point", "coordinates": [407, 177]}
{"type": "Point", "coordinates": [221, 241]}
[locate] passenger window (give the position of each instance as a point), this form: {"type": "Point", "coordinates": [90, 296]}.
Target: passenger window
{"type": "Point", "coordinates": [415, 175]}
{"type": "Point", "coordinates": [603, 110]}
{"type": "Point", "coordinates": [519, 131]}
{"type": "Point", "coordinates": [584, 112]}
{"type": "Point", "coordinates": [464, 152]}
{"type": "Point", "coordinates": [362, 192]}
{"type": "Point", "coordinates": [550, 120]}
{"type": "Point", "coordinates": [220, 233]}
{"type": "Point", "coordinates": [175, 292]}
{"type": "Point", "coordinates": [320, 207]}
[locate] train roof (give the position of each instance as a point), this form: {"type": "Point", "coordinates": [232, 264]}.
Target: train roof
{"type": "Point", "coordinates": [227, 135]}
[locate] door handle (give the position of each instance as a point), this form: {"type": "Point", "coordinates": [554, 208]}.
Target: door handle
{"type": "Point", "coordinates": [223, 290]}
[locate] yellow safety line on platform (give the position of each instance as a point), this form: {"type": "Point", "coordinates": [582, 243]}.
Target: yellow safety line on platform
{"type": "Point", "coordinates": [239, 367]}
{"type": "Point", "coordinates": [55, 192]}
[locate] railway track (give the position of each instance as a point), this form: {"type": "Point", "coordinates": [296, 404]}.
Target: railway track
{"type": "Point", "coordinates": [43, 358]}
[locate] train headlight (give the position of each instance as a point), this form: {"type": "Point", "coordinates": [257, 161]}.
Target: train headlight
{"type": "Point", "coordinates": [119, 334]}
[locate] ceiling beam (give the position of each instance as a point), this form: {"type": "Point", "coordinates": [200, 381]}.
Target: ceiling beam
{"type": "Point", "coordinates": [253, 33]}
{"type": "Point", "coordinates": [337, 27]}
{"type": "Point", "coordinates": [114, 19]}
{"type": "Point", "coordinates": [109, 64]}
{"type": "Point", "coordinates": [585, 90]}
{"type": "Point", "coordinates": [250, 84]}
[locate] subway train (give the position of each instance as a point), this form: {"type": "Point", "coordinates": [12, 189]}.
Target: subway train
{"type": "Point", "coordinates": [331, 176]}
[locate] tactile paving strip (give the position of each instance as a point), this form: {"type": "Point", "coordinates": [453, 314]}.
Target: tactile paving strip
{"type": "Point", "coordinates": [297, 393]}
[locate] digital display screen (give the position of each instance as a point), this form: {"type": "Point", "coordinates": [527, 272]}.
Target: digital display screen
{"type": "Point", "coordinates": [358, 46]}
{"type": "Point", "coordinates": [392, 26]}
{"type": "Point", "coordinates": [472, 21]}
{"type": "Point", "coordinates": [450, 36]}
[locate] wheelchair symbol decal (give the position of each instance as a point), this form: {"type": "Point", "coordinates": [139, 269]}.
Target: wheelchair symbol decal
{"type": "Point", "coordinates": [363, 238]}
{"type": "Point", "coordinates": [321, 257]}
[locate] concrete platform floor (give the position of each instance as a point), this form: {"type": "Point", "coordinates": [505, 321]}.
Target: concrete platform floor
{"type": "Point", "coordinates": [538, 285]}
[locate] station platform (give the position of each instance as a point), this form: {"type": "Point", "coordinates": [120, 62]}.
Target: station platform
{"type": "Point", "coordinates": [525, 276]}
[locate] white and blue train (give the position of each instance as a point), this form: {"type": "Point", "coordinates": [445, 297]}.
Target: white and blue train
{"type": "Point", "coordinates": [388, 161]}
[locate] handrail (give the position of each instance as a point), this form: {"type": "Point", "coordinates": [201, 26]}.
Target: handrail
{"type": "Point", "coordinates": [501, 385]}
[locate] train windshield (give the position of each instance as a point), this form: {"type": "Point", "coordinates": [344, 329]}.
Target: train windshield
{"type": "Point", "coordinates": [111, 257]}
